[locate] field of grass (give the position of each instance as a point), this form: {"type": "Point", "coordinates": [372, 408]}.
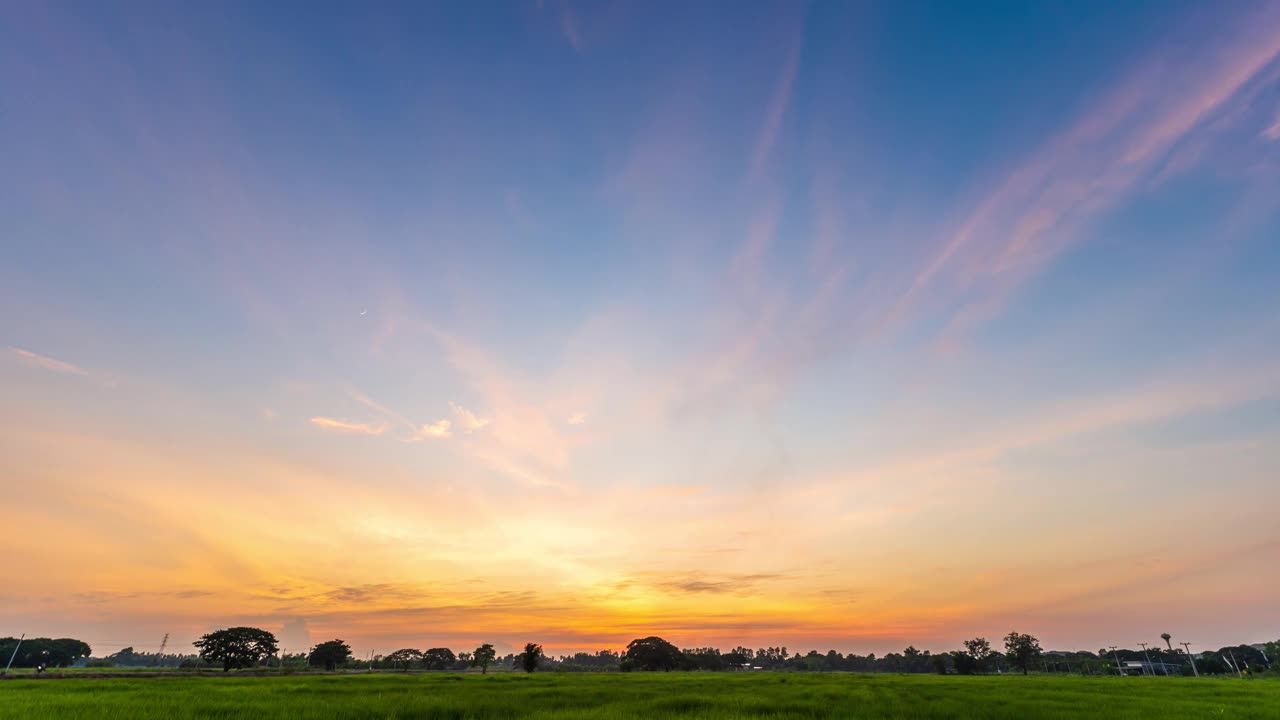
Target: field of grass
{"type": "Point", "coordinates": [617, 695]}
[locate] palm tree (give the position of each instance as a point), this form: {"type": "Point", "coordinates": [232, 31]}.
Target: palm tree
{"type": "Point", "coordinates": [1166, 637]}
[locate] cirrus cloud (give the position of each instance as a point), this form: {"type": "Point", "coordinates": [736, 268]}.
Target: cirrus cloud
{"type": "Point", "coordinates": [348, 427]}
{"type": "Point", "coordinates": [45, 362]}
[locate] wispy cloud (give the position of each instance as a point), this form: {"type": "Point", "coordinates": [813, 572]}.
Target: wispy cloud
{"type": "Point", "coordinates": [1273, 132]}
{"type": "Point", "coordinates": [523, 439]}
{"type": "Point", "coordinates": [1044, 205]}
{"type": "Point", "coordinates": [731, 584]}
{"type": "Point", "coordinates": [387, 413]}
{"type": "Point", "coordinates": [577, 418]}
{"type": "Point", "coordinates": [45, 362]}
{"type": "Point", "coordinates": [467, 420]}
{"type": "Point", "coordinates": [347, 427]}
{"type": "Point", "coordinates": [569, 26]}
{"type": "Point", "coordinates": [776, 111]}
{"type": "Point", "coordinates": [438, 429]}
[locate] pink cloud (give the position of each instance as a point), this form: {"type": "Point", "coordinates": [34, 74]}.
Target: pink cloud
{"type": "Point", "coordinates": [569, 27]}
{"type": "Point", "coordinates": [1046, 204]}
{"type": "Point", "coordinates": [45, 362]}
{"type": "Point", "coordinates": [776, 111]}
{"type": "Point", "coordinates": [1273, 132]}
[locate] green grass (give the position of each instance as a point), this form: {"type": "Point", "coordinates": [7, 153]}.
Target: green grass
{"type": "Point", "coordinates": [616, 695]}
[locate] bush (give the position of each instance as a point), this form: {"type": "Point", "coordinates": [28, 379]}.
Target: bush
{"type": "Point", "coordinates": [99, 663]}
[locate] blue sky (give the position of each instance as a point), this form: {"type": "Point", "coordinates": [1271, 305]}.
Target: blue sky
{"type": "Point", "coordinates": [777, 277]}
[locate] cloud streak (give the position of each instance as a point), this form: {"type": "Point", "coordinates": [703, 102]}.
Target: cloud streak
{"type": "Point", "coordinates": [1273, 132]}
{"type": "Point", "coordinates": [45, 362]}
{"type": "Point", "coordinates": [779, 101]}
{"type": "Point", "coordinates": [343, 426]}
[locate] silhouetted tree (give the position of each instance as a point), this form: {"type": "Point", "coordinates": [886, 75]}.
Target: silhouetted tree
{"type": "Point", "coordinates": [1021, 649]}
{"type": "Point", "coordinates": [42, 652]}
{"type": "Point", "coordinates": [237, 647]}
{"type": "Point", "coordinates": [531, 656]}
{"type": "Point", "coordinates": [482, 657]}
{"type": "Point", "coordinates": [1250, 659]}
{"type": "Point", "coordinates": [66, 651]}
{"type": "Point", "coordinates": [404, 657]}
{"type": "Point", "coordinates": [705, 658]}
{"type": "Point", "coordinates": [651, 653]}
{"type": "Point", "coordinates": [602, 660]}
{"type": "Point", "coordinates": [964, 663]}
{"type": "Point", "coordinates": [329, 655]}
{"type": "Point", "coordinates": [771, 657]}
{"type": "Point", "coordinates": [438, 659]}
{"type": "Point", "coordinates": [978, 650]}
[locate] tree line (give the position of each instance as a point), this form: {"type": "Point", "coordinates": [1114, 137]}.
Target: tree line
{"type": "Point", "coordinates": [248, 647]}
{"type": "Point", "coordinates": [41, 653]}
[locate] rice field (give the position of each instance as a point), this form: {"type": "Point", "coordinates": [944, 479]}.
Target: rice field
{"type": "Point", "coordinates": [639, 695]}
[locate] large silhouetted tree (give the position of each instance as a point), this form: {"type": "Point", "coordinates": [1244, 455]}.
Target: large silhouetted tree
{"type": "Point", "coordinates": [651, 653]}
{"type": "Point", "coordinates": [482, 657]}
{"type": "Point", "coordinates": [237, 647]}
{"type": "Point", "coordinates": [438, 659]}
{"type": "Point", "coordinates": [1021, 650]}
{"type": "Point", "coordinates": [329, 654]}
{"type": "Point", "coordinates": [531, 656]}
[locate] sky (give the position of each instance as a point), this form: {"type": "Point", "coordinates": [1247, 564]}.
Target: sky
{"type": "Point", "coordinates": [828, 326]}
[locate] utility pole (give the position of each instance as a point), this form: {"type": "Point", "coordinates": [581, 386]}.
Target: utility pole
{"type": "Point", "coordinates": [1191, 657]}
{"type": "Point", "coordinates": [1235, 665]}
{"type": "Point", "coordinates": [14, 655]}
{"type": "Point", "coordinates": [1148, 657]}
{"type": "Point", "coordinates": [1116, 655]}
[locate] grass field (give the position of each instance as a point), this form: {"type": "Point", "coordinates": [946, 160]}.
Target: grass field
{"type": "Point", "coordinates": [615, 695]}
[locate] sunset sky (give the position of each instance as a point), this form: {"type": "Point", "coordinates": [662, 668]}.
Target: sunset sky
{"type": "Point", "coordinates": [840, 325]}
